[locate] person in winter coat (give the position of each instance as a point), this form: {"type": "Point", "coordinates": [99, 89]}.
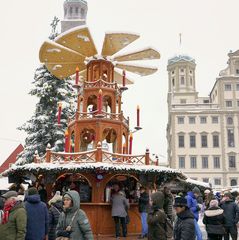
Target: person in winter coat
{"type": "Point", "coordinates": [208, 197]}
{"type": "Point", "coordinates": [231, 213]}
{"type": "Point", "coordinates": [56, 207]}
{"type": "Point", "coordinates": [157, 218]}
{"type": "Point", "coordinates": [73, 222]}
{"type": "Point", "coordinates": [168, 203]}
{"type": "Point", "coordinates": [43, 193]}
{"type": "Point", "coordinates": [13, 225]}
{"type": "Point", "coordinates": [214, 221]}
{"type": "Point", "coordinates": [184, 228]}
{"type": "Point", "coordinates": [120, 206]}
{"type": "Point", "coordinates": [194, 208]}
{"type": "Point", "coordinates": [37, 216]}
{"type": "Point", "coordinates": [143, 209]}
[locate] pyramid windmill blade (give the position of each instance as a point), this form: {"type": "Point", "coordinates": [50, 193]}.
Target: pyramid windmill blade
{"type": "Point", "coordinates": [52, 52]}
{"type": "Point", "coordinates": [78, 39]}
{"type": "Point", "coordinates": [142, 71]}
{"type": "Point", "coordinates": [144, 54]}
{"type": "Point", "coordinates": [118, 77]}
{"type": "Point", "coordinates": [61, 70]}
{"type": "Point", "coordinates": [114, 42]}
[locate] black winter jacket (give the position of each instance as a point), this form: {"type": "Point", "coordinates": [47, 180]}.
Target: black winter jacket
{"type": "Point", "coordinates": [184, 228]}
{"type": "Point", "coordinates": [231, 213]}
{"type": "Point", "coordinates": [214, 220]}
{"type": "Point", "coordinates": [54, 214]}
{"type": "Point", "coordinates": [143, 202]}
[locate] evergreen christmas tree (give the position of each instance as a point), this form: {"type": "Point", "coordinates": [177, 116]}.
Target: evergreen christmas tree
{"type": "Point", "coordinates": [42, 128]}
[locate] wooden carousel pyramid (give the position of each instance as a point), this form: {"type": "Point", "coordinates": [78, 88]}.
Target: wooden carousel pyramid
{"type": "Point", "coordinates": [100, 80]}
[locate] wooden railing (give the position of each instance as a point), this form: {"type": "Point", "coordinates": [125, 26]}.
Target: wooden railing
{"type": "Point", "coordinates": [96, 155]}
{"type": "Point", "coordinates": [101, 83]}
{"type": "Point", "coordinates": [123, 158]}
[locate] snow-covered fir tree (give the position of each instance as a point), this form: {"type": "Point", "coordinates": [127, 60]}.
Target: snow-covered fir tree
{"type": "Point", "coordinates": [42, 129]}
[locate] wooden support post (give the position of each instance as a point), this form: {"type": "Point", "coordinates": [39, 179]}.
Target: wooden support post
{"type": "Point", "coordinates": [99, 152]}
{"type": "Point", "coordinates": [147, 157]}
{"type": "Point", "coordinates": [48, 153]}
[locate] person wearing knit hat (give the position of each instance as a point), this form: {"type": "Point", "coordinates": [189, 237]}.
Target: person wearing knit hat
{"type": "Point", "coordinates": [231, 213]}
{"type": "Point", "coordinates": [14, 218]}
{"type": "Point", "coordinates": [214, 221]}
{"type": "Point", "coordinates": [37, 216]}
{"type": "Point", "coordinates": [184, 227]}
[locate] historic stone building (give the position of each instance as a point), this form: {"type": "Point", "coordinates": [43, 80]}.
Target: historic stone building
{"type": "Point", "coordinates": [203, 132]}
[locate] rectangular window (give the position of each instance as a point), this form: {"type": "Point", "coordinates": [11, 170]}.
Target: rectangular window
{"type": "Point", "coordinates": [204, 162]}
{"type": "Point", "coordinates": [182, 81]}
{"type": "Point", "coordinates": [192, 141]}
{"type": "Point", "coordinates": [237, 87]}
{"type": "Point", "coordinates": [228, 103]}
{"type": "Point", "coordinates": [237, 71]}
{"type": "Point", "coordinates": [181, 162]}
{"type": "Point", "coordinates": [180, 120]}
{"type": "Point", "coordinates": [204, 141]}
{"type": "Point", "coordinates": [216, 162]}
{"type": "Point", "coordinates": [214, 119]}
{"type": "Point", "coordinates": [192, 120]}
{"type": "Point", "coordinates": [230, 138]}
{"type": "Point", "coordinates": [217, 181]}
{"type": "Point", "coordinates": [181, 141]}
{"type": "Point", "coordinates": [193, 162]}
{"type": "Point", "coordinates": [238, 103]}
{"type": "Point", "coordinates": [232, 161]}
{"type": "Point", "coordinates": [183, 101]}
{"type": "Point", "coordinates": [206, 180]}
{"type": "Point", "coordinates": [203, 120]}
{"type": "Point", "coordinates": [215, 141]}
{"type": "Point", "coordinates": [228, 87]}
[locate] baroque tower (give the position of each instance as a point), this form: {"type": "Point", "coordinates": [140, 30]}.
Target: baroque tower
{"type": "Point", "coordinates": [75, 13]}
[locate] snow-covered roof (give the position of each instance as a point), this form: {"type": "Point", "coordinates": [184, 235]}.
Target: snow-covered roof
{"type": "Point", "coordinates": [195, 182]}
{"type": "Point", "coordinates": [179, 58]}
{"type": "Point", "coordinates": [74, 166]}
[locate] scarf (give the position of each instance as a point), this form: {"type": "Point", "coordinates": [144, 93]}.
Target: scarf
{"type": "Point", "coordinates": [6, 211]}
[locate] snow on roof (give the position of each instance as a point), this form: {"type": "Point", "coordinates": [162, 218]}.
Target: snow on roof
{"type": "Point", "coordinates": [181, 58]}
{"type": "Point", "coordinates": [195, 182]}
{"type": "Point", "coordinates": [4, 185]}
{"type": "Point", "coordinates": [40, 167]}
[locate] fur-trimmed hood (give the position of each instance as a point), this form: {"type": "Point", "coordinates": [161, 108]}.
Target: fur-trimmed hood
{"type": "Point", "coordinates": [212, 212]}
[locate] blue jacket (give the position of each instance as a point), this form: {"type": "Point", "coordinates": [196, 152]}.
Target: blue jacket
{"type": "Point", "coordinates": [37, 218]}
{"type": "Point", "coordinates": [193, 205]}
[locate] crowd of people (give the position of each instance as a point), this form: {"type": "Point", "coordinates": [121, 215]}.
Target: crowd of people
{"type": "Point", "coordinates": [29, 217]}
{"type": "Point", "coordinates": [163, 215]}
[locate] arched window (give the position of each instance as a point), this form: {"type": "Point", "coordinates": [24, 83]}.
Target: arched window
{"type": "Point", "coordinates": [173, 82]}
{"type": "Point", "coordinates": [77, 9]}
{"type": "Point", "coordinates": [71, 10]}
{"type": "Point", "coordinates": [82, 12]}
{"type": "Point", "coordinates": [92, 104]}
{"type": "Point", "coordinates": [229, 120]}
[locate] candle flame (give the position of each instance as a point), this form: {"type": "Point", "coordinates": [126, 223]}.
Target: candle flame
{"type": "Point", "coordinates": [138, 107]}
{"type": "Point", "coordinates": [60, 104]}
{"type": "Point", "coordinates": [66, 132]}
{"type": "Point", "coordinates": [100, 92]}
{"type": "Point", "coordinates": [77, 69]}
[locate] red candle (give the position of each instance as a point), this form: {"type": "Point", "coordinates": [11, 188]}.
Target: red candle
{"type": "Point", "coordinates": [138, 111]}
{"type": "Point", "coordinates": [130, 143]}
{"type": "Point", "coordinates": [67, 141]}
{"type": "Point", "coordinates": [59, 113]}
{"type": "Point", "coordinates": [124, 78]}
{"type": "Point", "coordinates": [77, 75]}
{"type": "Point", "coordinates": [100, 102]}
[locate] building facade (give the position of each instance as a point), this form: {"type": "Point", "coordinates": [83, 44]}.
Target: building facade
{"type": "Point", "coordinates": [75, 14]}
{"type": "Point", "coordinates": [203, 132]}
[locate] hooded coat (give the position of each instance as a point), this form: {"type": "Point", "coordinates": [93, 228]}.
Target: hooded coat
{"type": "Point", "coordinates": [231, 213]}
{"type": "Point", "coordinates": [192, 204]}
{"type": "Point", "coordinates": [54, 214]}
{"type": "Point", "coordinates": [120, 205]}
{"type": "Point", "coordinates": [37, 218]}
{"type": "Point", "coordinates": [214, 221]}
{"type": "Point", "coordinates": [80, 226]}
{"type": "Point", "coordinates": [15, 228]}
{"type": "Point", "coordinates": [184, 228]}
{"type": "Point", "coordinates": [157, 218]}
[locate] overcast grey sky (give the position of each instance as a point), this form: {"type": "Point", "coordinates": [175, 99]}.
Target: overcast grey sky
{"type": "Point", "coordinates": [209, 30]}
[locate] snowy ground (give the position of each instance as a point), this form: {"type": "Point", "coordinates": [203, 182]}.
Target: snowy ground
{"type": "Point", "coordinates": [202, 227]}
